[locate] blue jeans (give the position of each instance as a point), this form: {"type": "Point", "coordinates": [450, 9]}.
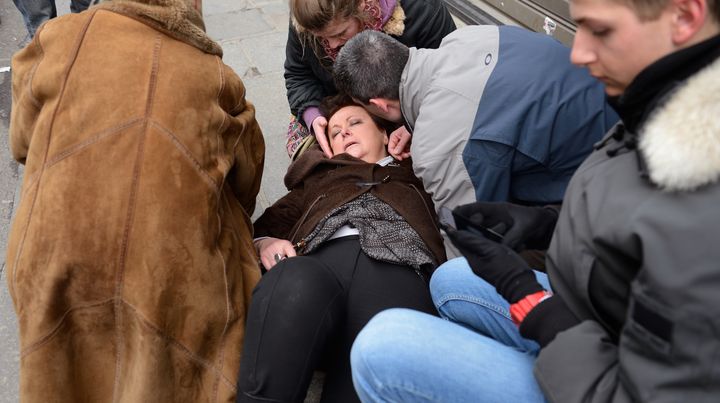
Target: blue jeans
{"type": "Point", "coordinates": [408, 356]}
{"type": "Point", "coordinates": [35, 12]}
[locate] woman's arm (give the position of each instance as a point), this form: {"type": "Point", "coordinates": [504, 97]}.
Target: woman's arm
{"type": "Point", "coordinates": [304, 88]}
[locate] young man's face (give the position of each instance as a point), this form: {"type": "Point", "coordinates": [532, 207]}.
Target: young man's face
{"type": "Point", "coordinates": [614, 44]}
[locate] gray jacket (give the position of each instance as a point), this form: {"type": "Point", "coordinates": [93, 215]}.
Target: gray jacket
{"type": "Point", "coordinates": [482, 133]}
{"type": "Point", "coordinates": [637, 260]}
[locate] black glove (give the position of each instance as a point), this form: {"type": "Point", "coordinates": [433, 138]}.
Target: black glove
{"type": "Point", "coordinates": [522, 227]}
{"type": "Point", "coordinates": [497, 264]}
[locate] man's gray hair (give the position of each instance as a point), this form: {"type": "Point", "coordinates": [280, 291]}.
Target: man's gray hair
{"type": "Point", "coordinates": [370, 65]}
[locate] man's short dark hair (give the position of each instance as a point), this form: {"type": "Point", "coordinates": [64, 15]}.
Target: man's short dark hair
{"type": "Point", "coordinates": [370, 65]}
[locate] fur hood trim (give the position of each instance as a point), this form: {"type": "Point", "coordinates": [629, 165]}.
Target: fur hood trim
{"type": "Point", "coordinates": [681, 141]}
{"type": "Point", "coordinates": [177, 18]}
{"type": "Point", "coordinates": [396, 24]}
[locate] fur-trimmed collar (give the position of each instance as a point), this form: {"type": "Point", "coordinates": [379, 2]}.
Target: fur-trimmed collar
{"type": "Point", "coordinates": [681, 140]}
{"type": "Point", "coordinates": [177, 18]}
{"type": "Point", "coordinates": [395, 25]}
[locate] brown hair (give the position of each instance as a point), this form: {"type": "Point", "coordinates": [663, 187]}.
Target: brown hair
{"type": "Point", "coordinates": [314, 15]}
{"type": "Point", "coordinates": [309, 16]}
{"type": "Point", "coordinates": [649, 10]}
{"type": "Point", "coordinates": [330, 105]}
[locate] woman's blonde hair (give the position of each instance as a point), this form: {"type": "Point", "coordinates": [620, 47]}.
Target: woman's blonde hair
{"type": "Point", "coordinates": [314, 15]}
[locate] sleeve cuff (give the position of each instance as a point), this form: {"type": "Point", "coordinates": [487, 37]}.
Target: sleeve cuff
{"type": "Point", "coordinates": [309, 116]}
{"type": "Point", "coordinates": [546, 320]}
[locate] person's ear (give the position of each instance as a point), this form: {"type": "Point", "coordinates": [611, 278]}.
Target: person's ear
{"type": "Point", "coordinates": [386, 137]}
{"type": "Point", "coordinates": [689, 18]}
{"type": "Point", "coordinates": [380, 103]}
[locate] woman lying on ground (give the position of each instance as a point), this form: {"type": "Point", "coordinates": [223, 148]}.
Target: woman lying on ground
{"type": "Point", "coordinates": [366, 238]}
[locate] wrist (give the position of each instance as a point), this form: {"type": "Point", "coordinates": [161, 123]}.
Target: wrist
{"type": "Point", "coordinates": [520, 309]}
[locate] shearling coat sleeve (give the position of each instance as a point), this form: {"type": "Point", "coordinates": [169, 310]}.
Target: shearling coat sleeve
{"type": "Point", "coordinates": [304, 87]}
{"type": "Point", "coordinates": [248, 144]}
{"type": "Point", "coordinates": [26, 105]}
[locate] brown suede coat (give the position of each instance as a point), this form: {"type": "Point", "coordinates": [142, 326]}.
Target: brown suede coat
{"type": "Point", "coordinates": [318, 185]}
{"type": "Point", "coordinates": [130, 261]}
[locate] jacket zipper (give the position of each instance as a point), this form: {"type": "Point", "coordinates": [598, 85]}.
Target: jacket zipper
{"type": "Point", "coordinates": [298, 225]}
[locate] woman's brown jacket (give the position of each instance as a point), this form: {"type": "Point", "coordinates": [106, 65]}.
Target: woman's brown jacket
{"type": "Point", "coordinates": [130, 261]}
{"type": "Point", "coordinates": [318, 185]}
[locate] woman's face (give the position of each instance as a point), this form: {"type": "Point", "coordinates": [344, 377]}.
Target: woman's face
{"type": "Point", "coordinates": [339, 30]}
{"type": "Point", "coordinates": [351, 130]}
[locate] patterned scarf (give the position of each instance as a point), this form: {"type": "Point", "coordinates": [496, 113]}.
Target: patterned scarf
{"type": "Point", "coordinates": [371, 8]}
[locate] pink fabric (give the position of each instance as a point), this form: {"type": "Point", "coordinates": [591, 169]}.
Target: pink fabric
{"type": "Point", "coordinates": [386, 9]}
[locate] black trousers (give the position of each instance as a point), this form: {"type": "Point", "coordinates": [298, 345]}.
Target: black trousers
{"type": "Point", "coordinates": [305, 314]}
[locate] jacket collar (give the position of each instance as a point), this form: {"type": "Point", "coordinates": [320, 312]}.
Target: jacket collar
{"type": "Point", "coordinates": [680, 137]}
{"type": "Point", "coordinates": [304, 166]}
{"type": "Point", "coordinates": [176, 18]}
{"type": "Point", "coordinates": [299, 170]}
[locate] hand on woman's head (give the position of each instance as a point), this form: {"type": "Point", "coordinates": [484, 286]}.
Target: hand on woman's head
{"type": "Point", "coordinates": [319, 126]}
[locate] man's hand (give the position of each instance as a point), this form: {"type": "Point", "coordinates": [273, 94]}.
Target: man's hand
{"type": "Point", "coordinates": [497, 264]}
{"type": "Point", "coordinates": [318, 126]}
{"type": "Point", "coordinates": [399, 143]}
{"type": "Point", "coordinates": [522, 227]}
{"type": "Point", "coordinates": [273, 250]}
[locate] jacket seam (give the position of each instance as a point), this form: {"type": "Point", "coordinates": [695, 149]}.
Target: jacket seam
{"type": "Point", "coordinates": [187, 154]}
{"type": "Point", "coordinates": [178, 345]}
{"type": "Point", "coordinates": [96, 138]}
{"type": "Point", "coordinates": [221, 73]}
{"type": "Point", "coordinates": [132, 200]}
{"type": "Point", "coordinates": [66, 72]}
{"type": "Point", "coordinates": [30, 179]}
{"type": "Point", "coordinates": [25, 351]}
{"type": "Point", "coordinates": [228, 310]}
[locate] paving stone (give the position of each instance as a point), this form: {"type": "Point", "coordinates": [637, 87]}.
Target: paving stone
{"type": "Point", "coordinates": [266, 52]}
{"type": "Point", "coordinates": [213, 7]}
{"type": "Point", "coordinates": [236, 24]}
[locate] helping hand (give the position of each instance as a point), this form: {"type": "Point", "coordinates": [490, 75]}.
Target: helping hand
{"type": "Point", "coordinates": [399, 143]}
{"type": "Point", "coordinates": [497, 264]}
{"type": "Point", "coordinates": [319, 124]}
{"type": "Point", "coordinates": [523, 227]}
